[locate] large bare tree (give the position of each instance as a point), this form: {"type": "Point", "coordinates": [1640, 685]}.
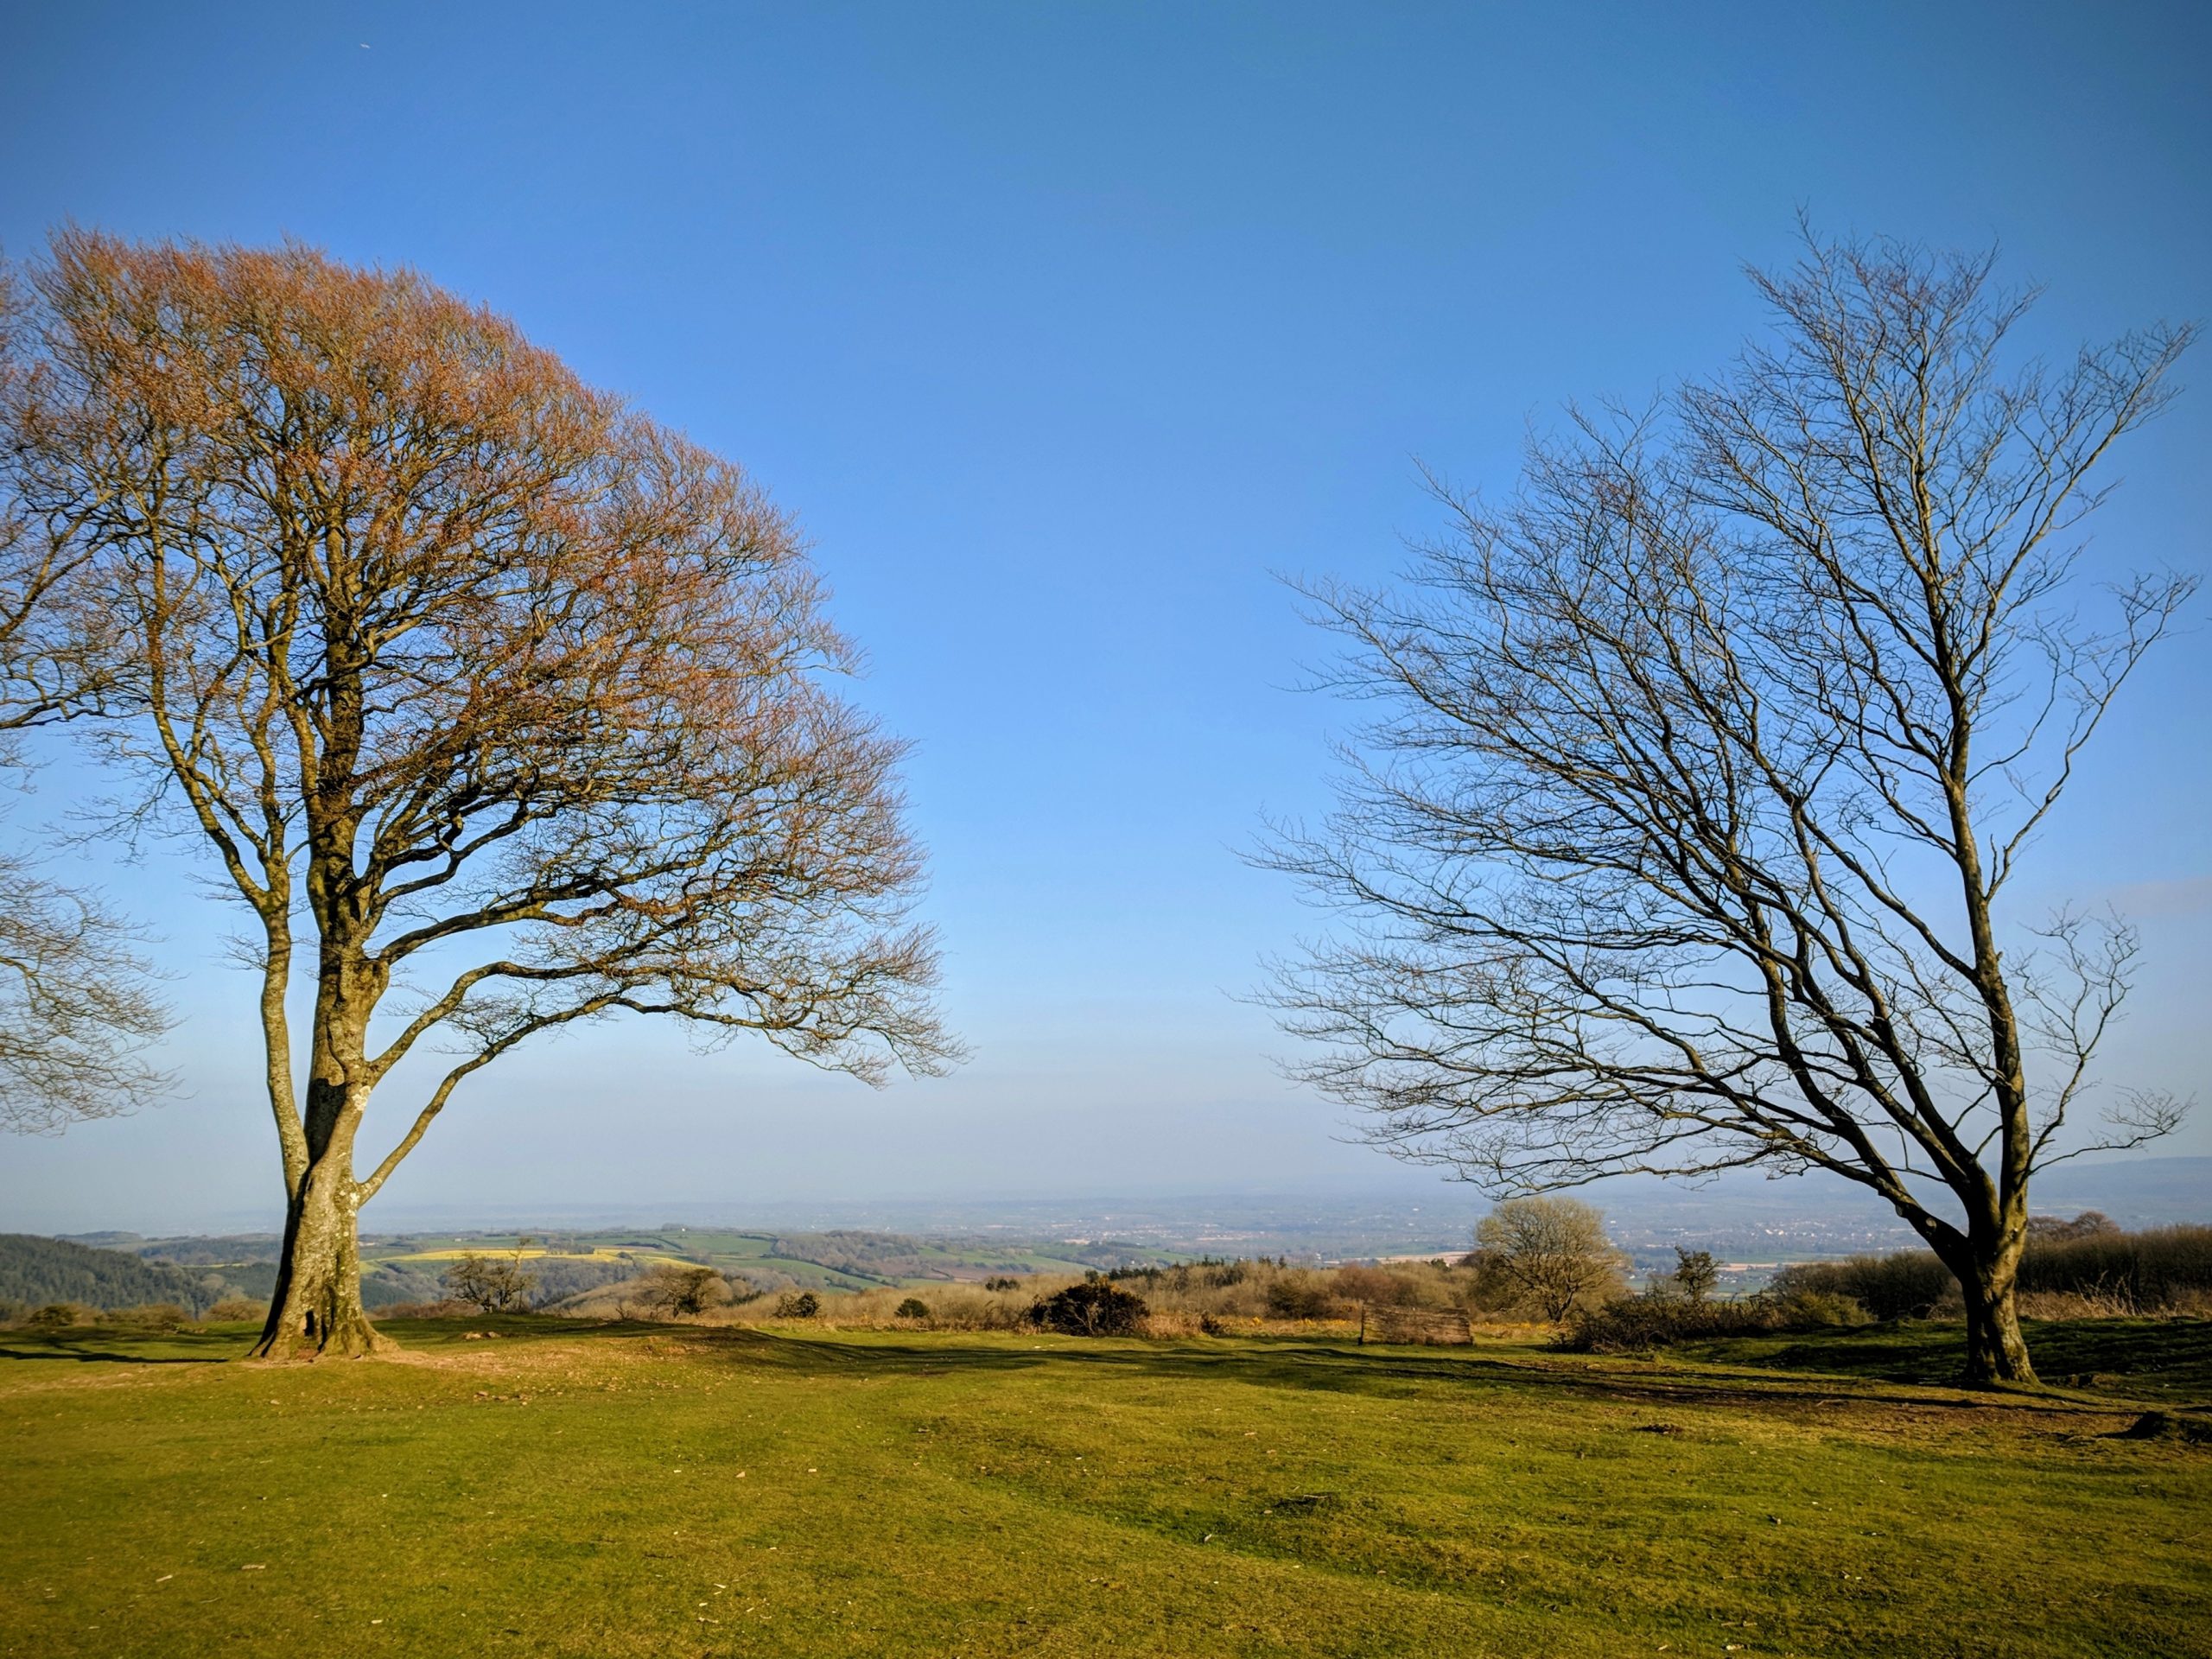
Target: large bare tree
{"type": "Point", "coordinates": [499, 706]}
{"type": "Point", "coordinates": [1685, 832]}
{"type": "Point", "coordinates": [77, 1010]}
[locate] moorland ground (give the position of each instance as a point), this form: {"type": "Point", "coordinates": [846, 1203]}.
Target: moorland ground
{"type": "Point", "coordinates": [551, 1488]}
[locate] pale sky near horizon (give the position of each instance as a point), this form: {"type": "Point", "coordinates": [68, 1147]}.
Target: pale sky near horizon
{"type": "Point", "coordinates": [1064, 330]}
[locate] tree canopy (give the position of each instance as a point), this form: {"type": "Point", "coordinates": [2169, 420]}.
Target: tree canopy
{"type": "Point", "coordinates": [515, 702]}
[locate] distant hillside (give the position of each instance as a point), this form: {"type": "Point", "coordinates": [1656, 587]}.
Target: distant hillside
{"type": "Point", "coordinates": [36, 1271]}
{"type": "Point", "coordinates": [2133, 1192]}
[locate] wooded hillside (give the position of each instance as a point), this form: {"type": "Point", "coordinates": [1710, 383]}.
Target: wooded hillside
{"type": "Point", "coordinates": [36, 1271]}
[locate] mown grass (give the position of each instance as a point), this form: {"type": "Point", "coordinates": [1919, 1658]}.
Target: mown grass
{"type": "Point", "coordinates": [564, 1489]}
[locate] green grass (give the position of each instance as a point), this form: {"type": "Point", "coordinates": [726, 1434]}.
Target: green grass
{"type": "Point", "coordinates": [634, 1492]}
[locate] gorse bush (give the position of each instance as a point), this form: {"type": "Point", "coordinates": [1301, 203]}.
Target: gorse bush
{"type": "Point", "coordinates": [1302, 1296]}
{"type": "Point", "coordinates": [912, 1308]}
{"type": "Point", "coordinates": [1096, 1307]}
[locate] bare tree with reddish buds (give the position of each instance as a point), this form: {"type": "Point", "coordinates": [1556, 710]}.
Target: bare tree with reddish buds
{"type": "Point", "coordinates": [500, 706]}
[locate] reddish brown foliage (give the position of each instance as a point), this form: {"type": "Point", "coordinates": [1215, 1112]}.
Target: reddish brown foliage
{"type": "Point", "coordinates": [516, 693]}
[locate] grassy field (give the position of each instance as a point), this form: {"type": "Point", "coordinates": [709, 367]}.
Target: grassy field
{"type": "Point", "coordinates": [557, 1489]}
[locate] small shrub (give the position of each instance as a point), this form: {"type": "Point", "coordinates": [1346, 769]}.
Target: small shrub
{"type": "Point", "coordinates": [55, 1316]}
{"type": "Point", "coordinates": [1001, 1282]}
{"type": "Point", "coordinates": [1094, 1308]}
{"type": "Point", "coordinates": [912, 1308]}
{"type": "Point", "coordinates": [1906, 1285]}
{"type": "Point", "coordinates": [1170, 1326]}
{"type": "Point", "coordinates": [1378, 1287]}
{"type": "Point", "coordinates": [2157, 1268]}
{"type": "Point", "coordinates": [2075, 1305]}
{"type": "Point", "coordinates": [153, 1317]}
{"type": "Point", "coordinates": [1637, 1325]}
{"type": "Point", "coordinates": [1301, 1296]}
{"type": "Point", "coordinates": [238, 1307]}
{"type": "Point", "coordinates": [803, 1305]}
{"type": "Point", "coordinates": [1812, 1310]}
{"type": "Point", "coordinates": [2087, 1261]}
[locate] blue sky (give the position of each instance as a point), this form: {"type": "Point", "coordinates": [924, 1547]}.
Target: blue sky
{"type": "Point", "coordinates": [1063, 328]}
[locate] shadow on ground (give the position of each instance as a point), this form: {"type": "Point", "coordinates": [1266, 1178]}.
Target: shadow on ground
{"type": "Point", "coordinates": [2168, 1359]}
{"type": "Point", "coordinates": [1340, 1368]}
{"type": "Point", "coordinates": [64, 1348]}
{"type": "Point", "coordinates": [2108, 1365]}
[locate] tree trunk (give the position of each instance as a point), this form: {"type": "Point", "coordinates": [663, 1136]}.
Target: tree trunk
{"type": "Point", "coordinates": [1987, 1264]}
{"type": "Point", "coordinates": [1995, 1350]}
{"type": "Point", "coordinates": [316, 1305]}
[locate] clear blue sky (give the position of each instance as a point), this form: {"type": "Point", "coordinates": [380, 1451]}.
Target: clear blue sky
{"type": "Point", "coordinates": [1062, 326]}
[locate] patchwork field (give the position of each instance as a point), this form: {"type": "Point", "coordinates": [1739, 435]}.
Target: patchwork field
{"type": "Point", "coordinates": [543, 1487]}
{"type": "Point", "coordinates": [822, 1262]}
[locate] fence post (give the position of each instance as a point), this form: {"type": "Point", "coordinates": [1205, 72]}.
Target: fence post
{"type": "Point", "coordinates": [1363, 1325]}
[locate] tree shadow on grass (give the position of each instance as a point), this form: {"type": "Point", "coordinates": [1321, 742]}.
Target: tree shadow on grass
{"type": "Point", "coordinates": [1913, 1365]}
{"type": "Point", "coordinates": [2165, 1357]}
{"type": "Point", "coordinates": [110, 1357]}
{"type": "Point", "coordinates": [1343, 1369]}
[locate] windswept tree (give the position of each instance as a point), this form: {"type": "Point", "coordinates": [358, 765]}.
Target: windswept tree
{"type": "Point", "coordinates": [1696, 1273]}
{"type": "Point", "coordinates": [498, 707]}
{"type": "Point", "coordinates": [1685, 832]}
{"type": "Point", "coordinates": [494, 1283]}
{"type": "Point", "coordinates": [76, 1006]}
{"type": "Point", "coordinates": [680, 1292]}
